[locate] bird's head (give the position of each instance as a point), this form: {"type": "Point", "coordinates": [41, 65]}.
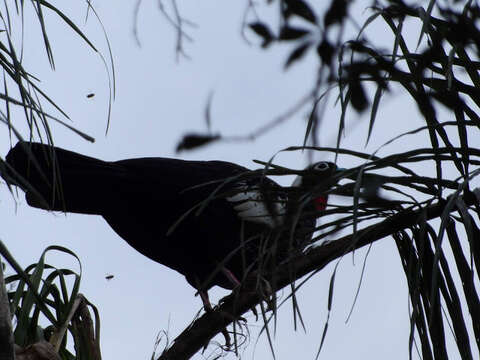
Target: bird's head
{"type": "Point", "coordinates": [321, 175]}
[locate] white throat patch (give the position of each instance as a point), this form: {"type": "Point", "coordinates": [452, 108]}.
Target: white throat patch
{"type": "Point", "coordinates": [250, 205]}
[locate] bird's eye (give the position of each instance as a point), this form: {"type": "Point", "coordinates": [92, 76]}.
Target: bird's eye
{"type": "Point", "coordinates": [321, 166]}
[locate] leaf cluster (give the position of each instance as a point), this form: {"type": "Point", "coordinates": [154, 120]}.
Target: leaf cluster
{"type": "Point", "coordinates": [41, 294]}
{"type": "Point", "coordinates": [21, 89]}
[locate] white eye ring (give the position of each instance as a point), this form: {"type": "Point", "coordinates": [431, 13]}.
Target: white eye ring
{"type": "Point", "coordinates": [321, 166]}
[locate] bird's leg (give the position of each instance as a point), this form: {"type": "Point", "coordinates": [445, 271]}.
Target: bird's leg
{"type": "Point", "coordinates": [207, 305]}
{"type": "Point", "coordinates": [266, 293]}
{"type": "Point", "coordinates": [204, 294]}
{"type": "Point", "coordinates": [205, 300]}
{"type": "Point", "coordinates": [229, 275]}
{"type": "Point", "coordinates": [233, 279]}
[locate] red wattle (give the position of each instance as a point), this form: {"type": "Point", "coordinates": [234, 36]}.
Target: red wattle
{"type": "Point", "coordinates": [320, 203]}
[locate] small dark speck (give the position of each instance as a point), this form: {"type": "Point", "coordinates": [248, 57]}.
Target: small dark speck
{"type": "Point", "coordinates": [109, 277]}
{"type": "Point", "coordinates": [90, 95]}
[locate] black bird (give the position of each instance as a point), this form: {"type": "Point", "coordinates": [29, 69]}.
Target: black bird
{"type": "Point", "coordinates": [204, 219]}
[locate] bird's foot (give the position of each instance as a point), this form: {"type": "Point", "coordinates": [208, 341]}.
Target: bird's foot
{"type": "Point", "coordinates": [228, 340]}
{"type": "Point", "coordinates": [207, 305]}
{"type": "Point", "coordinates": [255, 286]}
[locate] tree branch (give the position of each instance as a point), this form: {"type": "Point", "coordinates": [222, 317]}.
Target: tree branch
{"type": "Point", "coordinates": [199, 333]}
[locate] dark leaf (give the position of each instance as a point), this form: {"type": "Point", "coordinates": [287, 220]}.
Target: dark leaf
{"type": "Point", "coordinates": [429, 56]}
{"type": "Point", "coordinates": [191, 141]}
{"type": "Point", "coordinates": [466, 274]}
{"type": "Point", "coordinates": [325, 51]}
{"type": "Point", "coordinates": [297, 54]}
{"type": "Point", "coordinates": [312, 119]}
{"type": "Point", "coordinates": [263, 31]}
{"type": "Point", "coordinates": [453, 301]}
{"type": "Point", "coordinates": [300, 8]}
{"type": "Point", "coordinates": [291, 33]}
{"type": "Point", "coordinates": [208, 116]}
{"type": "Point", "coordinates": [357, 96]}
{"type": "Point", "coordinates": [373, 114]}
{"type": "Point", "coordinates": [336, 13]}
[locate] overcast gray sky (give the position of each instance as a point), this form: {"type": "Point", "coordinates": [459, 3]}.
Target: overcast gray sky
{"type": "Point", "coordinates": [158, 100]}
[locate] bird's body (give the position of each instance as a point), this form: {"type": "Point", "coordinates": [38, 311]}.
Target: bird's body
{"type": "Point", "coordinates": [203, 219]}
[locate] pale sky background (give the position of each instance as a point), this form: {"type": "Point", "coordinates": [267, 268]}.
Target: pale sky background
{"type": "Point", "coordinates": [157, 101]}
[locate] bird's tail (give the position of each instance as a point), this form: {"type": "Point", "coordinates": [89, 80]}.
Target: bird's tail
{"type": "Point", "coordinates": [57, 179]}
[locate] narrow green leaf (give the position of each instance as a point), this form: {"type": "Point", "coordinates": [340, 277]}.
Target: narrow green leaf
{"type": "Point", "coordinates": [373, 112]}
